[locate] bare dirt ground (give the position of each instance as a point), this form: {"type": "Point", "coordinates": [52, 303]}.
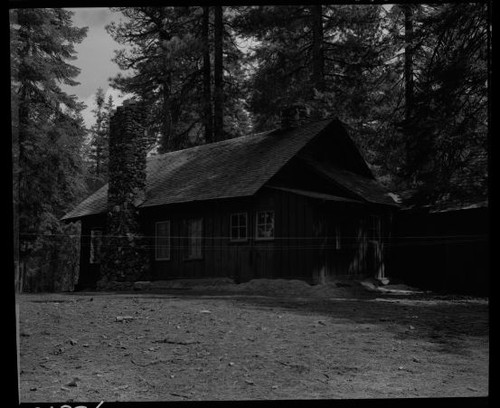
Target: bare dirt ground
{"type": "Point", "coordinates": [230, 345]}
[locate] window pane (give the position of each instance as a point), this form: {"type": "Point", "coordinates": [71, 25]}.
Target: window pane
{"type": "Point", "coordinates": [234, 233]}
{"type": "Point", "coordinates": [194, 238]}
{"type": "Point", "coordinates": [269, 218]}
{"type": "Point", "coordinates": [261, 217]}
{"type": "Point", "coordinates": [243, 232]}
{"type": "Point", "coordinates": [268, 232]}
{"type": "Point", "coordinates": [195, 247]}
{"type": "Point", "coordinates": [238, 227]}
{"type": "Point", "coordinates": [265, 224]}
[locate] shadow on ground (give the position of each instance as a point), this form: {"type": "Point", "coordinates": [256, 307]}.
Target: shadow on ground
{"type": "Point", "coordinates": [442, 319]}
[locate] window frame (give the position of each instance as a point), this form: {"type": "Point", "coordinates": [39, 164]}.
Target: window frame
{"type": "Point", "coordinates": [169, 238]}
{"type": "Point", "coordinates": [238, 226]}
{"type": "Point", "coordinates": [187, 255]}
{"type": "Point", "coordinates": [257, 238]}
{"type": "Point", "coordinates": [95, 251]}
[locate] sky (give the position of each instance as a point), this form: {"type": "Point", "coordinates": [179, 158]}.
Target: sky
{"type": "Point", "coordinates": [94, 56]}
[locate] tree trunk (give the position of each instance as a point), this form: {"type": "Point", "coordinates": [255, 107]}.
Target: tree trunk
{"type": "Point", "coordinates": [318, 56]}
{"type": "Point", "coordinates": [218, 75]}
{"type": "Point", "coordinates": [408, 68]}
{"type": "Point", "coordinates": [207, 77]}
{"type": "Point", "coordinates": [166, 142]}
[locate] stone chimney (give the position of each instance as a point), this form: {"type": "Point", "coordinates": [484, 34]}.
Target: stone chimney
{"type": "Point", "coordinates": [127, 154]}
{"type": "Point", "coordinates": [125, 256]}
{"type": "Point", "coordinates": [294, 115]}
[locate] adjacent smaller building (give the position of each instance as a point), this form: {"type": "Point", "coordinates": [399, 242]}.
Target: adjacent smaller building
{"type": "Point", "coordinates": [443, 248]}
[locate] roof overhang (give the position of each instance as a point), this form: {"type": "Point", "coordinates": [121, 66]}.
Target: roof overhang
{"type": "Point", "coordinates": [316, 195]}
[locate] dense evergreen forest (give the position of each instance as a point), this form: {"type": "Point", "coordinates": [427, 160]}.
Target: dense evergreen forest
{"type": "Point", "coordinates": [410, 81]}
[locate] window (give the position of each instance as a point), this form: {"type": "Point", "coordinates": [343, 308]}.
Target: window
{"type": "Point", "coordinates": [194, 234]}
{"type": "Point", "coordinates": [264, 225]}
{"type": "Point", "coordinates": [238, 227]}
{"type": "Point", "coordinates": [95, 246]}
{"type": "Point", "coordinates": [162, 241]}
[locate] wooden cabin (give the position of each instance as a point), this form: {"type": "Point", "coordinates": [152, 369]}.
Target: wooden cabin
{"type": "Point", "coordinates": [293, 203]}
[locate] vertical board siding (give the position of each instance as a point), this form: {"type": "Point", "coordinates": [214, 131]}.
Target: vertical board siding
{"type": "Point", "coordinates": [309, 244]}
{"type": "Point", "coordinates": [264, 249]}
{"type": "Point", "coordinates": [278, 240]}
{"type": "Point", "coordinates": [359, 254]}
{"type": "Point", "coordinates": [84, 252]}
{"type": "Point", "coordinates": [298, 215]}
{"type": "Point", "coordinates": [208, 243]}
{"type": "Point", "coordinates": [304, 245]}
{"type": "Point", "coordinates": [285, 233]}
{"type": "Point", "coordinates": [292, 233]}
{"type": "Point", "coordinates": [217, 241]}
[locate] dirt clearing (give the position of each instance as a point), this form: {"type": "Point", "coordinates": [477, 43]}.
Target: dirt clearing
{"type": "Point", "coordinates": [186, 345]}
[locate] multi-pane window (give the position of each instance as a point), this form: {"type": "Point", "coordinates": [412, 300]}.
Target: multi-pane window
{"type": "Point", "coordinates": [162, 240]}
{"type": "Point", "coordinates": [264, 225]}
{"type": "Point", "coordinates": [194, 236]}
{"type": "Point", "coordinates": [239, 227]}
{"type": "Point", "coordinates": [95, 246]}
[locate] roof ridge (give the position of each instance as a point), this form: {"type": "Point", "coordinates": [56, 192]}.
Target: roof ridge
{"type": "Point", "coordinates": [250, 135]}
{"type": "Point", "coordinates": [218, 143]}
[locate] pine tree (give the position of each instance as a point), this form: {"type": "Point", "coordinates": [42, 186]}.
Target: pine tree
{"type": "Point", "coordinates": [99, 132]}
{"type": "Point", "coordinates": [410, 82]}
{"type": "Point", "coordinates": [172, 56]}
{"type": "Point", "coordinates": [317, 56]}
{"type": "Point", "coordinates": [437, 125]}
{"type": "Point", "coordinates": [50, 132]}
{"type": "Point", "coordinates": [218, 74]}
{"type": "Point", "coordinates": [207, 77]}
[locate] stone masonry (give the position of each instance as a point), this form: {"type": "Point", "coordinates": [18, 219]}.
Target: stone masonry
{"type": "Point", "coordinates": [125, 256]}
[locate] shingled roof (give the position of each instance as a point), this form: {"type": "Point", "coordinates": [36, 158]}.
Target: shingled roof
{"type": "Point", "coordinates": [236, 167]}
{"type": "Point", "coordinates": [231, 168]}
{"type": "Point", "coordinates": [363, 187]}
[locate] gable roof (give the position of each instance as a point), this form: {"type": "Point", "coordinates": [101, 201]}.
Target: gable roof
{"type": "Point", "coordinates": [366, 188]}
{"type": "Point", "coordinates": [231, 168]}
{"type": "Point", "coordinates": [236, 167]}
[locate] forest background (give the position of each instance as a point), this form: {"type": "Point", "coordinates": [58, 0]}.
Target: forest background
{"type": "Point", "coordinates": [410, 82]}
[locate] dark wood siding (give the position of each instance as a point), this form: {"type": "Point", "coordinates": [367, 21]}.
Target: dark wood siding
{"type": "Point", "coordinates": [346, 244]}
{"type": "Point", "coordinates": [288, 255]}
{"type": "Point", "coordinates": [297, 174]}
{"type": "Point", "coordinates": [304, 245]}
